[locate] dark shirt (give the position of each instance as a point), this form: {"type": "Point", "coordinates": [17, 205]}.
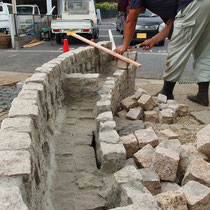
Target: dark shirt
{"type": "Point", "coordinates": [122, 5]}
{"type": "Point", "coordinates": [164, 8]}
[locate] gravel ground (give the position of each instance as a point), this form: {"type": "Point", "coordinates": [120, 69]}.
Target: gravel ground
{"type": "Point", "coordinates": [7, 94]}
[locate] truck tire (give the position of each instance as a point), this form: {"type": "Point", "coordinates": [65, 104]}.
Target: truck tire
{"type": "Point", "coordinates": [58, 38]}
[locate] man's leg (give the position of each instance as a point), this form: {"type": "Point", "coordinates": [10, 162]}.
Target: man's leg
{"type": "Point", "coordinates": [187, 32]}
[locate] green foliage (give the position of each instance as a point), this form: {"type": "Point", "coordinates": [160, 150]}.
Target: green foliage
{"type": "Point", "coordinates": [107, 6]}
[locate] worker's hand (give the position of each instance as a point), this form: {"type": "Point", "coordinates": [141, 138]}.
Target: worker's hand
{"type": "Point", "coordinates": [147, 45]}
{"type": "Point", "coordinates": [120, 49]}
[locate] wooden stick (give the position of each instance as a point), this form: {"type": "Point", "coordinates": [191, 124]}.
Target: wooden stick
{"type": "Point", "coordinates": [106, 50]}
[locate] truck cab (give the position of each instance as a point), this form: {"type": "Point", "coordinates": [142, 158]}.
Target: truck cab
{"type": "Point", "coordinates": [5, 11]}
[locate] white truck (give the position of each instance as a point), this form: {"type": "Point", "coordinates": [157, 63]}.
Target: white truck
{"type": "Point", "coordinates": [5, 11]}
{"type": "Point", "coordinates": [78, 16]}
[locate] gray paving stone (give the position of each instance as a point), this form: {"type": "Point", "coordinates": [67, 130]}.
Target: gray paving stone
{"type": "Point", "coordinates": [202, 116]}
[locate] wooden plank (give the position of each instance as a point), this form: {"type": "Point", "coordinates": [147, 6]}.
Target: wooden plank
{"type": "Point", "coordinates": [33, 44]}
{"type": "Point", "coordinates": [106, 50]}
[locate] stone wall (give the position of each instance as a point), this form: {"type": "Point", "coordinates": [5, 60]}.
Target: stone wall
{"type": "Point", "coordinates": [26, 135]}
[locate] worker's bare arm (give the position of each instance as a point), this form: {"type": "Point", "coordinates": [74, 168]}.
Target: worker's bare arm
{"type": "Point", "coordinates": [148, 44]}
{"type": "Point", "coordinates": [129, 30]}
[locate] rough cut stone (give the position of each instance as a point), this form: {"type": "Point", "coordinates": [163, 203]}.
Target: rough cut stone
{"type": "Point", "coordinates": [172, 201]}
{"type": "Point", "coordinates": [198, 170]}
{"type": "Point", "coordinates": [139, 93]}
{"type": "Point", "coordinates": [143, 158]}
{"type": "Point", "coordinates": [11, 199]}
{"type": "Point", "coordinates": [126, 174]}
{"type": "Point", "coordinates": [109, 137]}
{"type": "Point", "coordinates": [188, 152]}
{"type": "Point", "coordinates": [183, 110]}
{"type": "Point", "coordinates": [10, 140]}
{"type": "Point", "coordinates": [150, 180]}
{"type": "Point", "coordinates": [130, 162]}
{"type": "Point", "coordinates": [173, 144]}
{"type": "Point", "coordinates": [112, 156]}
{"type": "Point", "coordinates": [122, 113]}
{"type": "Point", "coordinates": [103, 106]}
{"type": "Point", "coordinates": [169, 134]}
{"type": "Point", "coordinates": [169, 186]}
{"type": "Point", "coordinates": [166, 116]}
{"type": "Point", "coordinates": [132, 128]}
{"type": "Point", "coordinates": [197, 195]}
{"type": "Point", "coordinates": [15, 163]}
{"type": "Point", "coordinates": [162, 98]}
{"type": "Point", "coordinates": [107, 126]}
{"type": "Point", "coordinates": [134, 192]}
{"type": "Point", "coordinates": [128, 103]}
{"type": "Point", "coordinates": [146, 136]}
{"type": "Point", "coordinates": [135, 113]}
{"type": "Point", "coordinates": [147, 102]}
{"type": "Point", "coordinates": [105, 116]}
{"type": "Point", "coordinates": [18, 124]}
{"type": "Point", "coordinates": [131, 144]}
{"type": "Point", "coordinates": [151, 116]}
{"type": "Point", "coordinates": [203, 140]}
{"type": "Point", "coordinates": [165, 163]}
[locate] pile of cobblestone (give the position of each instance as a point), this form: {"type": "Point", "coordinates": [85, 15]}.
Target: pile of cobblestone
{"type": "Point", "coordinates": [170, 175]}
{"type": "Point", "coordinates": [142, 106]}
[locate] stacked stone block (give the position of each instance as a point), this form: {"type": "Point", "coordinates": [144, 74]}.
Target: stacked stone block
{"type": "Point", "coordinates": [26, 135]}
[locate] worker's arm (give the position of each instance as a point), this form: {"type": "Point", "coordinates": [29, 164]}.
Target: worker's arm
{"type": "Point", "coordinates": [130, 26]}
{"type": "Point", "coordinates": [148, 44]}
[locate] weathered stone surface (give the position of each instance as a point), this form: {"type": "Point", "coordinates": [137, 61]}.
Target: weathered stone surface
{"type": "Point", "coordinates": [188, 152]}
{"type": "Point", "coordinates": [127, 174]}
{"type": "Point", "coordinates": [130, 162]}
{"type": "Point", "coordinates": [143, 158]}
{"type": "Point", "coordinates": [134, 192]}
{"type": "Point", "coordinates": [128, 103]}
{"type": "Point", "coordinates": [169, 134]}
{"type": "Point", "coordinates": [169, 186]}
{"type": "Point", "coordinates": [202, 116]}
{"type": "Point", "coordinates": [10, 140]}
{"type": "Point", "coordinates": [103, 106]}
{"type": "Point", "coordinates": [122, 113]}
{"type": "Point", "coordinates": [131, 128]}
{"type": "Point", "coordinates": [15, 163]}
{"type": "Point", "coordinates": [147, 102]}
{"type": "Point", "coordinates": [139, 93]}
{"type": "Point", "coordinates": [112, 156]}
{"type": "Point", "coordinates": [18, 124]}
{"type": "Point", "coordinates": [151, 116]}
{"type": "Point", "coordinates": [173, 144]}
{"type": "Point", "coordinates": [131, 144]}
{"type": "Point", "coordinates": [105, 116]}
{"type": "Point", "coordinates": [107, 126]}
{"type": "Point", "coordinates": [183, 110]}
{"type": "Point", "coordinates": [150, 180]}
{"type": "Point", "coordinates": [11, 199]}
{"type": "Point", "coordinates": [198, 170]}
{"type": "Point", "coordinates": [203, 140]}
{"type": "Point", "coordinates": [135, 113]}
{"type": "Point", "coordinates": [109, 137]}
{"type": "Point", "coordinates": [162, 98]}
{"type": "Point", "coordinates": [165, 163]}
{"type": "Point", "coordinates": [166, 116]}
{"type": "Point", "coordinates": [146, 136]}
{"type": "Point", "coordinates": [172, 201]}
{"type": "Point", "coordinates": [197, 195]}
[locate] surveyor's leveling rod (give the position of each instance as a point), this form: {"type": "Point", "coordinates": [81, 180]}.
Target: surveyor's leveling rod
{"type": "Point", "coordinates": [106, 50]}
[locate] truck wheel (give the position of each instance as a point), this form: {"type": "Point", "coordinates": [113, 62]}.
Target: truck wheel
{"type": "Point", "coordinates": [58, 38]}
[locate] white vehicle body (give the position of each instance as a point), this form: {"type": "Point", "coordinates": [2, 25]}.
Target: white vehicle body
{"type": "Point", "coordinates": [78, 16]}
{"type": "Point", "coordinates": [5, 11]}
{"type": "Point", "coordinates": [28, 15]}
